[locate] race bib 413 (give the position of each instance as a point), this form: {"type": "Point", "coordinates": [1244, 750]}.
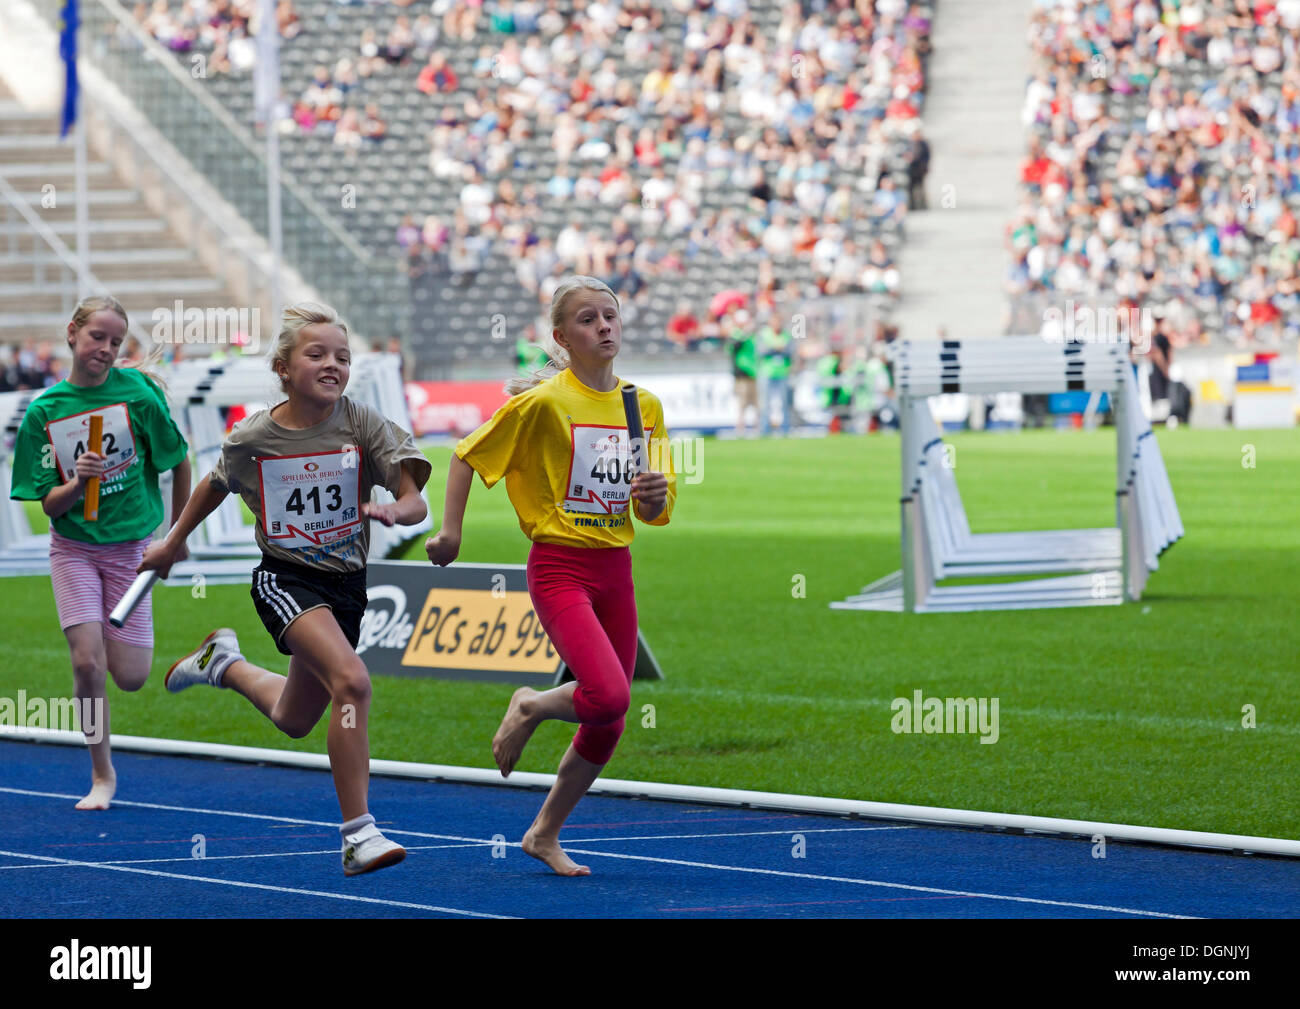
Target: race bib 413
{"type": "Point", "coordinates": [310, 500]}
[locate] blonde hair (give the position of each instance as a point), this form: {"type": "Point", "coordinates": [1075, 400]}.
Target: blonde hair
{"type": "Point", "coordinates": [295, 319]}
{"type": "Point", "coordinates": [88, 306]}
{"type": "Point", "coordinates": [558, 355]}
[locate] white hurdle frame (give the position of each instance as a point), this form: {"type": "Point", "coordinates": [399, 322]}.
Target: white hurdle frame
{"type": "Point", "coordinates": [1101, 566]}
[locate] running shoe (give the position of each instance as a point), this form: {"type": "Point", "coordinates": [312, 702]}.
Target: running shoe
{"type": "Point", "coordinates": [368, 849]}
{"type": "Point", "coordinates": [198, 666]}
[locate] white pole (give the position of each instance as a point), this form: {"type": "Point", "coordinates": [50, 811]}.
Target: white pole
{"type": "Point", "coordinates": [83, 208]}
{"type": "Point", "coordinates": [273, 205]}
{"type": "Point", "coordinates": [267, 98]}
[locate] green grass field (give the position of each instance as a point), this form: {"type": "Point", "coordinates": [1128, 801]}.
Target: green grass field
{"type": "Point", "coordinates": [1129, 714]}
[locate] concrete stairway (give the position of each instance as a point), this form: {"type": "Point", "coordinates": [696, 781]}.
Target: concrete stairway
{"type": "Point", "coordinates": [132, 250]}
{"type": "Point", "coordinates": [953, 263]}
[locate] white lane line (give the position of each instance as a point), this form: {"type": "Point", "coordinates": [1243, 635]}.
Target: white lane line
{"type": "Point", "coordinates": [739, 833]}
{"type": "Point", "coordinates": [256, 886]}
{"type": "Point", "coordinates": [246, 816]}
{"type": "Point", "coordinates": [642, 858]}
{"type": "Point", "coordinates": [474, 844]}
{"type": "Point", "coordinates": [226, 858]}
{"type": "Point", "coordinates": [874, 882]}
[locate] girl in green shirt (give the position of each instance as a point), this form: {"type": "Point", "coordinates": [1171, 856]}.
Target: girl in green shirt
{"type": "Point", "coordinates": [93, 563]}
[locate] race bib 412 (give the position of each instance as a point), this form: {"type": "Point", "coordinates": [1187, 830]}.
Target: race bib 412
{"type": "Point", "coordinates": [70, 437]}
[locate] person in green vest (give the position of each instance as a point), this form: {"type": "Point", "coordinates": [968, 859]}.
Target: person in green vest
{"type": "Point", "coordinates": [836, 391]}
{"type": "Point", "coordinates": [873, 390]}
{"type": "Point", "coordinates": [774, 375]}
{"type": "Point", "coordinates": [529, 357]}
{"type": "Point", "coordinates": [744, 365]}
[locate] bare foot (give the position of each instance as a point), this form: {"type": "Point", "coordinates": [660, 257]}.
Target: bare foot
{"type": "Point", "coordinates": [100, 795]}
{"type": "Point", "coordinates": [548, 850]}
{"type": "Point", "coordinates": [516, 729]}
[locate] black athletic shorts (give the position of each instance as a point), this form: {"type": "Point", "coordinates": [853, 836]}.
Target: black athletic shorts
{"type": "Point", "coordinates": [283, 591]}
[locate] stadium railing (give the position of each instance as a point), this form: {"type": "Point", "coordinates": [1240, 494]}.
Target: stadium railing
{"type": "Point", "coordinates": [69, 268]}
{"type": "Point", "coordinates": [370, 291]}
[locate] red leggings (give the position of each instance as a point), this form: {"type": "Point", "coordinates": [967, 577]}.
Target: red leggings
{"type": "Point", "coordinates": [586, 603]}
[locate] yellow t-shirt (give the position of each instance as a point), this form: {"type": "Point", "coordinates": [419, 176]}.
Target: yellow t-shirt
{"type": "Point", "coordinates": [563, 450]}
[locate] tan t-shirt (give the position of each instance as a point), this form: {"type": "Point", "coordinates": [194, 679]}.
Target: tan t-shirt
{"type": "Point", "coordinates": [306, 487]}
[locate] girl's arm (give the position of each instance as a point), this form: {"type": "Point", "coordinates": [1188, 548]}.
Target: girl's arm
{"type": "Point", "coordinates": [407, 510]}
{"type": "Point", "coordinates": [63, 497]}
{"type": "Point", "coordinates": [163, 553]}
{"type": "Point", "coordinates": [443, 548]}
{"type": "Point", "coordinates": [180, 488]}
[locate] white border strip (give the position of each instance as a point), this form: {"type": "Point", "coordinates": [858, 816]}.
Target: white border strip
{"type": "Point", "coordinates": [691, 793]}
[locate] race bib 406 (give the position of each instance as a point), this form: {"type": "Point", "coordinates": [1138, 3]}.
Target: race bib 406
{"type": "Point", "coordinates": [600, 474]}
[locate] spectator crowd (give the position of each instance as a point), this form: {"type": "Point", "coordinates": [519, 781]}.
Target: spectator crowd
{"type": "Point", "coordinates": [636, 111]}
{"type": "Point", "coordinates": [647, 107]}
{"type": "Point", "coordinates": [1163, 164]}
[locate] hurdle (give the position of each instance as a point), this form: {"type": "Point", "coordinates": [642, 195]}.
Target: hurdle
{"type": "Point", "coordinates": [1099, 567]}
{"type": "Point", "coordinates": [223, 548]}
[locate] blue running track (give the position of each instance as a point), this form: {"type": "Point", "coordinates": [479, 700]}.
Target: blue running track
{"type": "Point", "coordinates": [271, 850]}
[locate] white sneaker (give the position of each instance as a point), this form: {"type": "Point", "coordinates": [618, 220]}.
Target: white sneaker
{"type": "Point", "coordinates": [198, 665]}
{"type": "Point", "coordinates": [368, 849]}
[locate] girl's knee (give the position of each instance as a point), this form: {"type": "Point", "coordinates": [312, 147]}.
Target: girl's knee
{"type": "Point", "coordinates": [606, 704]}
{"type": "Point", "coordinates": [352, 683]}
{"type": "Point", "coordinates": [596, 743]}
{"type": "Point", "coordinates": [89, 668]}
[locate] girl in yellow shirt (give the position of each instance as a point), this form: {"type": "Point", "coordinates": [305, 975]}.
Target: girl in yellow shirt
{"type": "Point", "coordinates": [561, 443]}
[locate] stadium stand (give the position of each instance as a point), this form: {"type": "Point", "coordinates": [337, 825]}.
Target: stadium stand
{"type": "Point", "coordinates": [1162, 166]}
{"type": "Point", "coordinates": [133, 250]}
{"type": "Point", "coordinates": [678, 150]}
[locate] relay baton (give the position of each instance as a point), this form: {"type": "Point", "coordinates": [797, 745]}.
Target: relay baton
{"type": "Point", "coordinates": [142, 584]}
{"type": "Point", "coordinates": [91, 510]}
{"type": "Point", "coordinates": [635, 430]}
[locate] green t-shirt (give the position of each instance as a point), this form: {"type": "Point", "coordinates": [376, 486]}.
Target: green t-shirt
{"type": "Point", "coordinates": [140, 441]}
{"type": "Point", "coordinates": [775, 361]}
{"type": "Point", "coordinates": [744, 355]}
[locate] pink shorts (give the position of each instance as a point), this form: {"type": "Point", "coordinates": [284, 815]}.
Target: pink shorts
{"type": "Point", "coordinates": [89, 579]}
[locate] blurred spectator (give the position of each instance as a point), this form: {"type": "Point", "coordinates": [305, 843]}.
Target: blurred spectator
{"type": "Point", "coordinates": [918, 166]}
{"type": "Point", "coordinates": [744, 365]}
{"type": "Point", "coordinates": [775, 364]}
{"type": "Point", "coordinates": [684, 326]}
{"type": "Point", "coordinates": [437, 75]}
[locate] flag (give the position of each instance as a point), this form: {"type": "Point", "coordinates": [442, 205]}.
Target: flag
{"type": "Point", "coordinates": [68, 50]}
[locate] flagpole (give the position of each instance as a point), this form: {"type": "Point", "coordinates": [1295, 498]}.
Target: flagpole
{"type": "Point", "coordinates": [83, 212]}
{"type": "Point", "coordinates": [71, 23]}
